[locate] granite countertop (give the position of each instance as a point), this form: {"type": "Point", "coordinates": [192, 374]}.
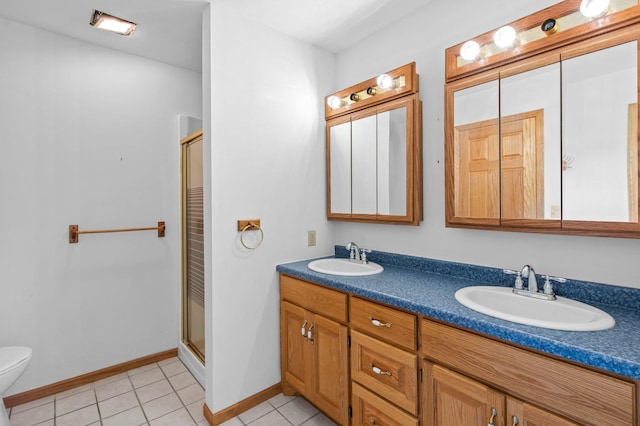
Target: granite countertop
{"type": "Point", "coordinates": [426, 287]}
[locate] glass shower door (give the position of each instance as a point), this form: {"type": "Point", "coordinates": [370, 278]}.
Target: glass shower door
{"type": "Point", "coordinates": [193, 244]}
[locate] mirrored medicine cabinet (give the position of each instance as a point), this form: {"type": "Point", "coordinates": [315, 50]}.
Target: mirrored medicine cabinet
{"type": "Point", "coordinates": [374, 150]}
{"type": "Point", "coordinates": [542, 135]}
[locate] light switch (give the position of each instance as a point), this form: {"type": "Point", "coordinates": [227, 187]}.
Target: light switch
{"type": "Point", "coordinates": [311, 237]}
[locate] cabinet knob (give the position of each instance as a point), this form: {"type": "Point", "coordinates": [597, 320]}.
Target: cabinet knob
{"type": "Point", "coordinates": [373, 422]}
{"type": "Point", "coordinates": [379, 371]}
{"type": "Point", "coordinates": [494, 413]}
{"type": "Point", "coordinates": [515, 420]}
{"type": "Point", "coordinates": [379, 323]}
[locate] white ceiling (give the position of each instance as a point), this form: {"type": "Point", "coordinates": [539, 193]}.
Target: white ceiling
{"type": "Point", "coordinates": [170, 31]}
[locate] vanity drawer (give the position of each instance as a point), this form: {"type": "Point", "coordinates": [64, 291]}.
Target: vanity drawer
{"type": "Point", "coordinates": [386, 370]}
{"type": "Point", "coordinates": [387, 323]}
{"type": "Point", "coordinates": [369, 409]}
{"type": "Point", "coordinates": [579, 393]}
{"type": "Point", "coordinates": [322, 300]}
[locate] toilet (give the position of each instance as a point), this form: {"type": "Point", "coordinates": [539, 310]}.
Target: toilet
{"type": "Point", "coordinates": [13, 362]}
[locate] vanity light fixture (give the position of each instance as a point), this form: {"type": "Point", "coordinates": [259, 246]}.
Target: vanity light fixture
{"type": "Point", "coordinates": [505, 37]}
{"type": "Point", "coordinates": [470, 50]}
{"type": "Point", "coordinates": [371, 91]}
{"type": "Point", "coordinates": [354, 97]}
{"type": "Point", "coordinates": [111, 23]}
{"type": "Point", "coordinates": [384, 81]}
{"type": "Point", "coordinates": [594, 8]}
{"type": "Point", "coordinates": [334, 102]}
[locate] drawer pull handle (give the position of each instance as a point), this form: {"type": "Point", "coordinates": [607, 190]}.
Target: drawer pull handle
{"type": "Point", "coordinates": [379, 323]}
{"type": "Point", "coordinates": [515, 420]}
{"type": "Point", "coordinates": [494, 413]}
{"type": "Point", "coordinates": [378, 371]}
{"type": "Point", "coordinates": [303, 330]}
{"type": "Point", "coordinates": [309, 334]}
{"type": "Point", "coordinates": [373, 422]}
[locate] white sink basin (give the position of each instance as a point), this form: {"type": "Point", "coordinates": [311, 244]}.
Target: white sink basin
{"type": "Point", "coordinates": [560, 314]}
{"type": "Point", "coordinates": [345, 267]}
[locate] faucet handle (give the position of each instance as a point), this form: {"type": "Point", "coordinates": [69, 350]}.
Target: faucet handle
{"type": "Point", "coordinates": [519, 284]}
{"type": "Point", "coordinates": [363, 255]}
{"type": "Point", "coordinates": [548, 286]}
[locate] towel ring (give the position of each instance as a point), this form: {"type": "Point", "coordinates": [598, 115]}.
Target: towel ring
{"type": "Point", "coordinates": [251, 227]}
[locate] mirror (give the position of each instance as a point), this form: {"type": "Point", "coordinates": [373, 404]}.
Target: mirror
{"type": "Point", "coordinates": [374, 153]}
{"type": "Point", "coordinates": [549, 143]}
{"type": "Point", "coordinates": [600, 92]}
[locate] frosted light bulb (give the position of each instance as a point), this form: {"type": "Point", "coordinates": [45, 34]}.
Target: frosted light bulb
{"type": "Point", "coordinates": [384, 81]}
{"type": "Point", "coordinates": [505, 37]}
{"type": "Point", "coordinates": [594, 8]}
{"type": "Point", "coordinates": [470, 50]}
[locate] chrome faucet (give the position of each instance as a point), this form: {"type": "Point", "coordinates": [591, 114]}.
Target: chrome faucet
{"type": "Point", "coordinates": [530, 274]}
{"type": "Point", "coordinates": [356, 253]}
{"type": "Point", "coordinates": [532, 289]}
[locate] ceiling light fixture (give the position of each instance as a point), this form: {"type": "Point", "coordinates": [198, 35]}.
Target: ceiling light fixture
{"type": "Point", "coordinates": [505, 37]}
{"type": "Point", "coordinates": [111, 23]}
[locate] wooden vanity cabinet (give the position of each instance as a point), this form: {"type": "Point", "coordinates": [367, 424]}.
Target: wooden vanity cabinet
{"type": "Point", "coordinates": [467, 374]}
{"type": "Point", "coordinates": [384, 364]}
{"type": "Point", "coordinates": [314, 350]}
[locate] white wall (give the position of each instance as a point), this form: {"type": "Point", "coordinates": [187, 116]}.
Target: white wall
{"type": "Point", "coordinates": [264, 93]}
{"type": "Point", "coordinates": [423, 38]}
{"type": "Point", "coordinates": [88, 136]}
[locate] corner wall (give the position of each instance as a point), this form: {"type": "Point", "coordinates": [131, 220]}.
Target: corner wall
{"type": "Point", "coordinates": [89, 136]}
{"type": "Point", "coordinates": [423, 38]}
{"type": "Point", "coordinates": [265, 93]}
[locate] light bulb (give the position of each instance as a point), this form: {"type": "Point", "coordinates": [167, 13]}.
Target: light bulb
{"type": "Point", "coordinates": [384, 81]}
{"type": "Point", "coordinates": [470, 50]}
{"type": "Point", "coordinates": [505, 37]}
{"type": "Point", "coordinates": [594, 8]}
{"type": "Point", "coordinates": [334, 102]}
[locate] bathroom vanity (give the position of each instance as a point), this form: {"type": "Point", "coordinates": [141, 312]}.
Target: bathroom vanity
{"type": "Point", "coordinates": [396, 348]}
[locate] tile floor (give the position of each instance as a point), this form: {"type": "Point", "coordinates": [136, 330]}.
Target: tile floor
{"type": "Point", "coordinates": [159, 394]}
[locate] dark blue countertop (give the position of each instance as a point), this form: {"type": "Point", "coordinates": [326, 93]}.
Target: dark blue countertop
{"type": "Point", "coordinates": [427, 287]}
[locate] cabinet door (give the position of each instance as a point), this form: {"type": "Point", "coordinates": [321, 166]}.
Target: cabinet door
{"type": "Point", "coordinates": [292, 342]}
{"type": "Point", "coordinates": [330, 378]}
{"type": "Point", "coordinates": [451, 399]}
{"type": "Point", "coordinates": [522, 414]}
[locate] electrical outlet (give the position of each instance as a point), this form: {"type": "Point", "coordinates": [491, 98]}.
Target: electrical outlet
{"type": "Point", "coordinates": [311, 237]}
{"type": "Point", "coordinates": [555, 212]}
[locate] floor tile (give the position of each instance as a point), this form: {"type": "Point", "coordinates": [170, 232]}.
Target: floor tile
{"type": "Point", "coordinates": [81, 417]}
{"type": "Point", "coordinates": [74, 391]}
{"type": "Point", "coordinates": [191, 394]}
{"type": "Point", "coordinates": [33, 416]}
{"type": "Point", "coordinates": [161, 406]}
{"type": "Point", "coordinates": [75, 402]}
{"type": "Point", "coordinates": [319, 420]}
{"type": "Point", "coordinates": [255, 412]}
{"type": "Point", "coordinates": [112, 389]}
{"type": "Point", "coordinates": [196, 411]}
{"type": "Point", "coordinates": [154, 390]}
{"type": "Point", "coordinates": [179, 417]}
{"type": "Point", "coordinates": [142, 369]}
{"type": "Point", "coordinates": [146, 378]}
{"type": "Point", "coordinates": [32, 404]}
{"type": "Point", "coordinates": [173, 368]}
{"type": "Point", "coordinates": [47, 423]}
{"type": "Point", "coordinates": [298, 411]}
{"type": "Point", "coordinates": [110, 379]}
{"type": "Point", "coordinates": [182, 380]}
{"type": "Point", "coordinates": [169, 361]}
{"type": "Point", "coordinates": [132, 417]}
{"type": "Point", "coordinates": [118, 404]}
{"type": "Point", "coordinates": [280, 399]}
{"type": "Point", "coordinates": [233, 422]}
{"type": "Point", "coordinates": [274, 418]}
